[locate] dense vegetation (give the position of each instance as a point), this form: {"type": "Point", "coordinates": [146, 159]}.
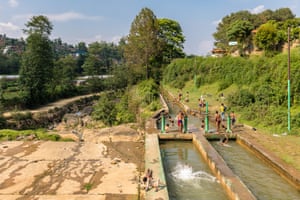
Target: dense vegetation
{"type": "Point", "coordinates": [265, 31]}
{"type": "Point", "coordinates": [48, 71]}
{"type": "Point", "coordinates": [256, 86]}
{"type": "Point", "coordinates": [153, 51]}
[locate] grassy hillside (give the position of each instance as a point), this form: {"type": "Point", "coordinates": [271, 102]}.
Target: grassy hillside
{"type": "Point", "coordinates": [255, 88]}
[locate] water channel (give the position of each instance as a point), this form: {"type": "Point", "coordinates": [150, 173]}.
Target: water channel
{"type": "Point", "coordinates": [261, 180]}
{"type": "Point", "coordinates": [188, 176]}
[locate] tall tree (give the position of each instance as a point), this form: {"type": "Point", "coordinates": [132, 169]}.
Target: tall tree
{"type": "Point", "coordinates": [240, 31]}
{"type": "Point", "coordinates": [142, 45]}
{"type": "Point", "coordinates": [266, 37]}
{"type": "Point", "coordinates": [101, 58]}
{"type": "Point", "coordinates": [172, 39]}
{"type": "Point", "coordinates": [221, 36]}
{"type": "Point", "coordinates": [37, 62]}
{"type": "Point", "coordinates": [65, 74]}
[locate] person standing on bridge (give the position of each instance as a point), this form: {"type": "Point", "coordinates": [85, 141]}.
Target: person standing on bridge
{"type": "Point", "coordinates": [218, 121]}
{"type": "Point", "coordinates": [180, 121]}
{"type": "Point", "coordinates": [232, 117]}
{"type": "Point", "coordinates": [223, 110]}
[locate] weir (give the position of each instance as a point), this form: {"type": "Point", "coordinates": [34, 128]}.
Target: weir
{"type": "Point", "coordinates": [231, 183]}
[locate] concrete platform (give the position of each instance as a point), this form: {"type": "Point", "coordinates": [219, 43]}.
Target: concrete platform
{"type": "Point", "coordinates": [153, 161]}
{"type": "Point", "coordinates": [63, 170]}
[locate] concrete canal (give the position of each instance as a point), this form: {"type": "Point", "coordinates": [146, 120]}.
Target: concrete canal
{"type": "Point", "coordinates": [190, 175]}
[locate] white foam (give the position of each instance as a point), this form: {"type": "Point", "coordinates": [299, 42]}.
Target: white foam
{"type": "Point", "coordinates": [185, 172]}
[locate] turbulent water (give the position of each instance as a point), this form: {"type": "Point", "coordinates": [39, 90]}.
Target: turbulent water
{"type": "Point", "coordinates": [188, 176]}
{"type": "Point", "coordinates": [184, 172]}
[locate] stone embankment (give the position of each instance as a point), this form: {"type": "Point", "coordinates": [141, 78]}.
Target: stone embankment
{"type": "Point", "coordinates": [50, 114]}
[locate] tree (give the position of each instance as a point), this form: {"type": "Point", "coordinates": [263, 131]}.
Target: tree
{"type": "Point", "coordinates": [81, 51]}
{"type": "Point", "coordinates": [240, 31]}
{"type": "Point", "coordinates": [266, 37]}
{"type": "Point", "coordinates": [101, 58]}
{"type": "Point", "coordinates": [283, 14]}
{"type": "Point", "coordinates": [221, 36]}
{"type": "Point", "coordinates": [241, 22]}
{"type": "Point", "coordinates": [105, 110]}
{"type": "Point", "coordinates": [39, 25]}
{"type": "Point", "coordinates": [64, 73]}
{"type": "Point", "coordinates": [37, 62]}
{"type": "Point", "coordinates": [171, 39]}
{"type": "Point", "coordinates": [142, 47]}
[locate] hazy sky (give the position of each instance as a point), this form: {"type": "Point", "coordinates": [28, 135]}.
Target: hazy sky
{"type": "Point", "coordinates": [109, 20]}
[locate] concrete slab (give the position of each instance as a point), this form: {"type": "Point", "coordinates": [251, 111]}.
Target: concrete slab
{"type": "Point", "coordinates": [153, 161]}
{"type": "Point", "coordinates": [63, 170]}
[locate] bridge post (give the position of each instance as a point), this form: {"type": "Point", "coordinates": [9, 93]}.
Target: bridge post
{"type": "Point", "coordinates": [206, 118]}
{"type": "Point", "coordinates": [163, 123]}
{"type": "Point", "coordinates": [185, 124]}
{"type": "Point", "coordinates": [228, 125]}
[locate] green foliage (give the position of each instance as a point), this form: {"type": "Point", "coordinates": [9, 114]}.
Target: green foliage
{"type": "Point", "coordinates": [240, 31]}
{"type": "Point", "coordinates": [142, 45]}
{"type": "Point", "coordinates": [261, 84]}
{"type": "Point", "coordinates": [88, 186]}
{"type": "Point", "coordinates": [105, 110]}
{"type": "Point", "coordinates": [64, 73]}
{"type": "Point", "coordinates": [2, 122]}
{"type": "Point", "coordinates": [39, 134]}
{"type": "Point", "coordinates": [148, 91]}
{"type": "Point", "coordinates": [238, 27]}
{"type": "Point", "coordinates": [51, 137]}
{"type": "Point", "coordinates": [171, 40]}
{"type": "Point", "coordinates": [198, 82]}
{"type": "Point", "coordinates": [266, 37]}
{"type": "Point", "coordinates": [21, 116]}
{"type": "Point", "coordinates": [180, 71]}
{"type": "Point", "coordinates": [124, 114]}
{"type": "Point", "coordinates": [242, 97]}
{"type": "Point", "coordinates": [154, 106]}
{"type": "Point", "coordinates": [39, 25]}
{"type": "Point", "coordinates": [37, 62]}
{"type": "Point", "coordinates": [101, 58]}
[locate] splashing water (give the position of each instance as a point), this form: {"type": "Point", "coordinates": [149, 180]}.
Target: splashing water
{"type": "Point", "coordinates": [185, 172]}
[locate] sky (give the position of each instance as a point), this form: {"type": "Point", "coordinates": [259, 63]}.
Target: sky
{"type": "Point", "coordinates": [89, 21]}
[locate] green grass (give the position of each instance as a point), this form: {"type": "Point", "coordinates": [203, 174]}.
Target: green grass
{"type": "Point", "coordinates": [39, 134]}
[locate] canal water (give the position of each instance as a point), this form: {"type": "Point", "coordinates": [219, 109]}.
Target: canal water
{"type": "Point", "coordinates": [181, 157]}
{"type": "Point", "coordinates": [188, 176]}
{"type": "Point", "coordinates": [262, 180]}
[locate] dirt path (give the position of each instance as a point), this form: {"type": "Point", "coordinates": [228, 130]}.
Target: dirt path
{"type": "Point", "coordinates": [52, 105]}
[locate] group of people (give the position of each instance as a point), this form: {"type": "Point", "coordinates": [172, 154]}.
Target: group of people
{"type": "Point", "coordinates": [171, 122]}
{"type": "Point", "coordinates": [180, 95]}
{"type": "Point", "coordinates": [219, 118]}
{"type": "Point", "coordinates": [149, 181]}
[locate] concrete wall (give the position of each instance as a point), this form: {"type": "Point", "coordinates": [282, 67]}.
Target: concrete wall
{"type": "Point", "coordinates": [231, 183]}
{"type": "Point", "coordinates": [153, 161]}
{"type": "Point", "coordinates": [290, 174]}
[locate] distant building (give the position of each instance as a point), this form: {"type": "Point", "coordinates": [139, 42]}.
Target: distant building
{"type": "Point", "coordinates": [217, 52]}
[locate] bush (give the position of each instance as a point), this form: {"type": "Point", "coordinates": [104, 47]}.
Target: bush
{"type": "Point", "coordinates": [21, 116]}
{"type": "Point", "coordinates": [242, 98]}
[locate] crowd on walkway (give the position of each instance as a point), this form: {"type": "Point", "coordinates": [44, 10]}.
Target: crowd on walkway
{"type": "Point", "coordinates": [221, 116]}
